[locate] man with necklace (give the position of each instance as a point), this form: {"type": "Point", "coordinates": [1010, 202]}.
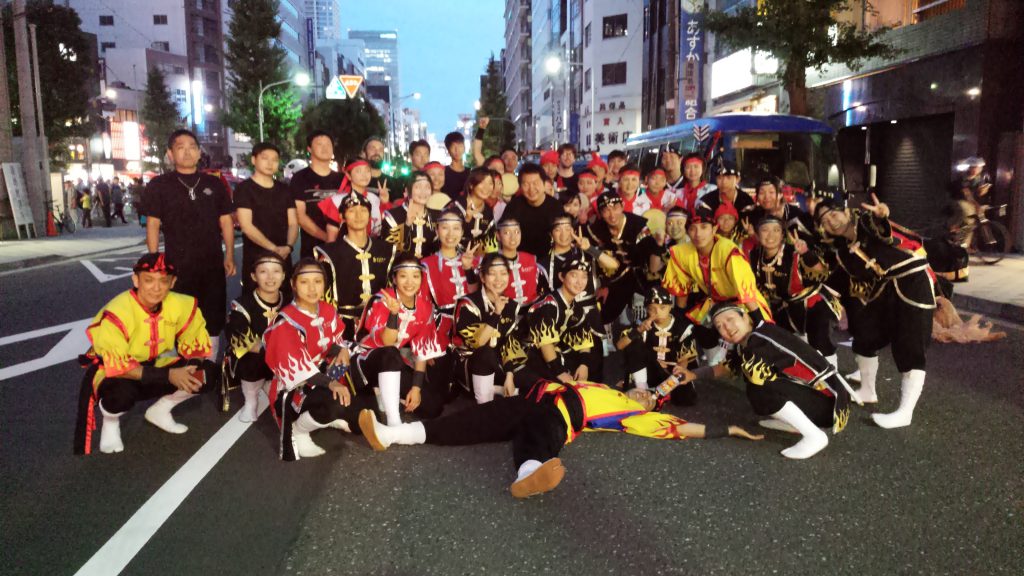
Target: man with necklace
{"type": "Point", "coordinates": [193, 211]}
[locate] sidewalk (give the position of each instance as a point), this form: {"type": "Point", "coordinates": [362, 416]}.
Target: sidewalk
{"type": "Point", "coordinates": [15, 254]}
{"type": "Point", "coordinates": [996, 291]}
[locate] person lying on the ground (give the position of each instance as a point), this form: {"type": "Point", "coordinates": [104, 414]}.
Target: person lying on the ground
{"type": "Point", "coordinates": [148, 342]}
{"type": "Point", "coordinates": [540, 423]}
{"type": "Point", "coordinates": [786, 378]}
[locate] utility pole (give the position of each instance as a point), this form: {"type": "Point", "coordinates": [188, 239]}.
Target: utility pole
{"type": "Point", "coordinates": [29, 136]}
{"type": "Point", "coordinates": [6, 146]}
{"type": "Point", "coordinates": [44, 143]}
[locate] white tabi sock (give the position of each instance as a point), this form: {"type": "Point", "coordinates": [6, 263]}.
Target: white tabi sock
{"type": "Point", "coordinates": [833, 360]}
{"type": "Point", "coordinates": [640, 379]}
{"type": "Point", "coordinates": [110, 432]}
{"type": "Point", "coordinates": [250, 391]}
{"type": "Point", "coordinates": [483, 388]}
{"type": "Point", "coordinates": [159, 414]}
{"type": "Point", "coordinates": [813, 441]}
{"type": "Point", "coordinates": [527, 468]}
{"type": "Point", "coordinates": [910, 391]}
{"type": "Point", "coordinates": [390, 384]}
{"type": "Point", "coordinates": [302, 443]}
{"type": "Point", "coordinates": [773, 424]}
{"type": "Point", "coordinates": [408, 434]}
{"type": "Point", "coordinates": [214, 347]}
{"type": "Point", "coordinates": [868, 368]}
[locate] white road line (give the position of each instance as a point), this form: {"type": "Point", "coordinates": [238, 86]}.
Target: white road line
{"type": "Point", "coordinates": [126, 543]}
{"type": "Point", "coordinates": [101, 276]}
{"type": "Point", "coordinates": [73, 343]}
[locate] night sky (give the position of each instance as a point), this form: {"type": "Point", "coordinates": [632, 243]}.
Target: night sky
{"type": "Point", "coordinates": [443, 49]}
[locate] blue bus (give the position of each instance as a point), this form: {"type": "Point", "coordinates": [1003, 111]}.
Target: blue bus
{"type": "Point", "coordinates": [801, 151]}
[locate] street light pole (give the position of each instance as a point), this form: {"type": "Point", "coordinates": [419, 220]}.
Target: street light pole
{"type": "Point", "coordinates": [553, 66]}
{"type": "Point", "coordinates": [301, 79]}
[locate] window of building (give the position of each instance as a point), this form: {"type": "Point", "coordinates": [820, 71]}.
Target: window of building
{"type": "Point", "coordinates": [105, 45]}
{"type": "Point", "coordinates": [614, 73]}
{"type": "Point", "coordinates": [547, 93]}
{"type": "Point", "coordinates": [615, 26]}
{"type": "Point", "coordinates": [163, 46]}
{"type": "Point", "coordinates": [586, 79]}
{"type": "Point", "coordinates": [179, 70]}
{"type": "Point", "coordinates": [106, 20]}
{"type": "Point", "coordinates": [586, 36]}
{"type": "Point", "coordinates": [160, 19]}
{"type": "Point", "coordinates": [212, 78]}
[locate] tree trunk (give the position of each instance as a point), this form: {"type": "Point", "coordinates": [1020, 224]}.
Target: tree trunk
{"type": "Point", "coordinates": [30, 151]}
{"type": "Point", "coordinates": [795, 83]}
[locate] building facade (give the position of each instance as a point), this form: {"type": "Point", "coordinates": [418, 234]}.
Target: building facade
{"type": "Point", "coordinates": [517, 70]}
{"type": "Point", "coordinates": [383, 88]}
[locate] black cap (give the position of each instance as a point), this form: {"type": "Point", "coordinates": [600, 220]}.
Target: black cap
{"type": "Point", "coordinates": [155, 262]}
{"type": "Point", "coordinates": [658, 295]}
{"type": "Point", "coordinates": [728, 169]}
{"type": "Point", "coordinates": [607, 199]}
{"type": "Point", "coordinates": [577, 263]}
{"type": "Point", "coordinates": [702, 213]}
{"type": "Point", "coordinates": [353, 199]}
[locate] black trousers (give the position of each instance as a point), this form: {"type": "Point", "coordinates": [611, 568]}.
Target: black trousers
{"type": "Point", "coordinates": [537, 430]}
{"type": "Point", "coordinates": [889, 321]}
{"type": "Point", "coordinates": [770, 397]}
{"type": "Point", "coordinates": [119, 212]}
{"type": "Point", "coordinates": [388, 359]}
{"type": "Point", "coordinates": [817, 322]}
{"type": "Point", "coordinates": [120, 394]}
{"type": "Point", "coordinates": [251, 367]}
{"type": "Point", "coordinates": [638, 356]}
{"type": "Point", "coordinates": [322, 406]}
{"type": "Point", "coordinates": [620, 296]}
{"type": "Point", "coordinates": [208, 285]}
{"type": "Point", "coordinates": [536, 368]}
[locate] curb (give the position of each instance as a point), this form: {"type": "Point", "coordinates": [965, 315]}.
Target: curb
{"type": "Point", "coordinates": [1000, 310]}
{"type": "Point", "coordinates": [55, 258]}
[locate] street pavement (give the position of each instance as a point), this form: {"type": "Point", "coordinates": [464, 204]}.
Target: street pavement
{"type": "Point", "coordinates": [943, 496]}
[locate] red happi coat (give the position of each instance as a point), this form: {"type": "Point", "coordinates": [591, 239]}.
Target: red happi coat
{"type": "Point", "coordinates": [416, 328]}
{"type": "Point", "coordinates": [444, 282]}
{"type": "Point", "coordinates": [523, 277]}
{"type": "Point", "coordinates": [296, 344]}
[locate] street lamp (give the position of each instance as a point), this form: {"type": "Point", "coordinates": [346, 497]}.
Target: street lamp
{"type": "Point", "coordinates": [301, 79]}
{"type": "Point", "coordinates": [391, 118]}
{"type": "Point", "coordinates": [553, 66]}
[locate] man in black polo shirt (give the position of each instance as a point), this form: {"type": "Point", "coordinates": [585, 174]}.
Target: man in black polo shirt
{"type": "Point", "coordinates": [311, 185]}
{"type": "Point", "coordinates": [455, 174]}
{"type": "Point", "coordinates": [194, 212]}
{"type": "Point", "coordinates": [534, 210]}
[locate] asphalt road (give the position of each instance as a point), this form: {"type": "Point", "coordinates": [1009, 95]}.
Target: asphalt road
{"type": "Point", "coordinates": [945, 496]}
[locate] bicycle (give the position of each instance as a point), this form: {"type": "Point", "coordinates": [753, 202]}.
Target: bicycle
{"type": "Point", "coordinates": [62, 219]}
{"type": "Point", "coordinates": [990, 240]}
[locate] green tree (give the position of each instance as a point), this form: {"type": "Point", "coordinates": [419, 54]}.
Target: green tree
{"type": "Point", "coordinates": [501, 133]}
{"type": "Point", "coordinates": [65, 73]}
{"type": "Point", "coordinates": [800, 35]}
{"type": "Point", "coordinates": [349, 122]}
{"type": "Point", "coordinates": [159, 115]}
{"type": "Point", "coordinates": [254, 58]}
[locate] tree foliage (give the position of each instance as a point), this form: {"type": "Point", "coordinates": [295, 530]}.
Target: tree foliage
{"type": "Point", "coordinates": [349, 122]}
{"type": "Point", "coordinates": [800, 34]}
{"type": "Point", "coordinates": [253, 56]}
{"type": "Point", "coordinates": [501, 133]}
{"type": "Point", "coordinates": [159, 115]}
{"type": "Point", "coordinates": [65, 73]}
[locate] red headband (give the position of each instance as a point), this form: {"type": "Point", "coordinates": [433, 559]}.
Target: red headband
{"type": "Point", "coordinates": [624, 173]}
{"type": "Point", "coordinates": [693, 159]}
{"type": "Point", "coordinates": [549, 157]}
{"type": "Point", "coordinates": [434, 164]}
{"type": "Point", "coordinates": [588, 176]}
{"type": "Point", "coordinates": [656, 171]}
{"type": "Point", "coordinates": [727, 208]}
{"type": "Point", "coordinates": [596, 161]}
{"type": "Point", "coordinates": [356, 164]}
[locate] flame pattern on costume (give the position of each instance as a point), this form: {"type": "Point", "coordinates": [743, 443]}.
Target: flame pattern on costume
{"type": "Point", "coordinates": [544, 333]}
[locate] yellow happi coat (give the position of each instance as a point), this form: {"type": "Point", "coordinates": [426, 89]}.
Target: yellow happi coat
{"type": "Point", "coordinates": [609, 410]}
{"type": "Point", "coordinates": [124, 334]}
{"type": "Point", "coordinates": [729, 278]}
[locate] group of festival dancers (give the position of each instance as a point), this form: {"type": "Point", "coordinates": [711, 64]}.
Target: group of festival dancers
{"type": "Point", "coordinates": [386, 325]}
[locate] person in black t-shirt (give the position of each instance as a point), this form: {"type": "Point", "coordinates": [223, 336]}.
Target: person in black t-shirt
{"type": "Point", "coordinates": [311, 185]}
{"type": "Point", "coordinates": [728, 181]}
{"type": "Point", "coordinates": [533, 209]}
{"type": "Point", "coordinates": [193, 210]}
{"type": "Point", "coordinates": [381, 185]}
{"type": "Point", "coordinates": [455, 174]}
{"type": "Point", "coordinates": [266, 214]}
{"type": "Point", "coordinates": [567, 178]}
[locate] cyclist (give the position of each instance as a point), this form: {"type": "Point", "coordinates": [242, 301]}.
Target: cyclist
{"type": "Point", "coordinates": [972, 195]}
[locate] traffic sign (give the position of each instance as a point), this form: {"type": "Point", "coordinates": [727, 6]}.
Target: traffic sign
{"type": "Point", "coordinates": [335, 91]}
{"type": "Point", "coordinates": [351, 84]}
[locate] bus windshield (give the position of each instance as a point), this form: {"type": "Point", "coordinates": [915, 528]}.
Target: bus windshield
{"type": "Point", "coordinates": [801, 159]}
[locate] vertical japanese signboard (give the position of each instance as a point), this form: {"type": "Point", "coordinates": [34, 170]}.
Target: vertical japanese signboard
{"type": "Point", "coordinates": [691, 55]}
{"type": "Point", "coordinates": [311, 47]}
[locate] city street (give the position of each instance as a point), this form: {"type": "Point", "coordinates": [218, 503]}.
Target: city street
{"type": "Point", "coordinates": [944, 496]}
